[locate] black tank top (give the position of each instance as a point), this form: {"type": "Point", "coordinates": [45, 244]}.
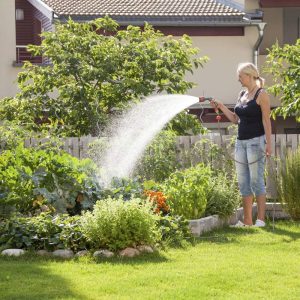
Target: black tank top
{"type": "Point", "coordinates": [250, 124]}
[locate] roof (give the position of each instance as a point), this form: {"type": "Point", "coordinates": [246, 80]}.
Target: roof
{"type": "Point", "coordinates": [153, 11]}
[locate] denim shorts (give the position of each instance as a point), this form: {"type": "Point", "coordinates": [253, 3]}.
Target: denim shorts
{"type": "Point", "coordinates": [251, 176]}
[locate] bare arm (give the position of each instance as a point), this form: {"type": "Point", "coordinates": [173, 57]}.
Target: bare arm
{"type": "Point", "coordinates": [264, 101]}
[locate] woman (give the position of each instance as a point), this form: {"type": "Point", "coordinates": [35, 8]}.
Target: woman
{"type": "Point", "coordinates": [252, 114]}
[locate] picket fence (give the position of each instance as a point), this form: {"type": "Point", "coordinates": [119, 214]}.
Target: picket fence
{"type": "Point", "coordinates": [281, 145]}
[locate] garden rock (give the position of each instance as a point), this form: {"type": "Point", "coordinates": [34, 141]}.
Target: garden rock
{"type": "Point", "coordinates": [103, 253]}
{"type": "Point", "coordinates": [43, 253]}
{"type": "Point", "coordinates": [63, 253]}
{"type": "Point", "coordinates": [81, 253]}
{"type": "Point", "coordinates": [129, 252]}
{"type": "Point", "coordinates": [13, 252]}
{"type": "Point", "coordinates": [145, 249]}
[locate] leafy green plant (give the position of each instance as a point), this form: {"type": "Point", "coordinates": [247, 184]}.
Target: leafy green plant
{"type": "Point", "coordinates": [116, 224]}
{"type": "Point", "coordinates": [175, 230]}
{"type": "Point", "coordinates": [283, 64]}
{"type": "Point", "coordinates": [160, 158]}
{"type": "Point", "coordinates": [222, 196]}
{"type": "Point", "coordinates": [186, 191]}
{"type": "Point", "coordinates": [29, 176]}
{"type": "Point", "coordinates": [288, 186]}
{"type": "Point", "coordinates": [42, 232]}
{"type": "Point", "coordinates": [125, 188]}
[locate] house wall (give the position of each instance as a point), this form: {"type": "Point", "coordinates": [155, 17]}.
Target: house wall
{"type": "Point", "coordinates": [218, 78]}
{"type": "Point", "coordinates": [8, 74]}
{"type": "Point", "coordinates": [274, 29]}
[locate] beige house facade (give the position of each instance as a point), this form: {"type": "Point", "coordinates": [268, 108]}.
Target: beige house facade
{"type": "Point", "coordinates": [8, 73]}
{"type": "Point", "coordinates": [228, 32]}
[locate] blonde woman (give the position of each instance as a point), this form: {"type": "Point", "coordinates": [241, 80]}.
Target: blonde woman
{"type": "Point", "coordinates": [253, 144]}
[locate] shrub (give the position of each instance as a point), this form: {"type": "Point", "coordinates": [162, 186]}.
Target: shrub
{"type": "Point", "coordinates": [186, 191]}
{"type": "Point", "coordinates": [175, 230]}
{"type": "Point", "coordinates": [42, 232]}
{"type": "Point", "coordinates": [223, 196]}
{"type": "Point", "coordinates": [288, 186]}
{"type": "Point", "coordinates": [116, 224]}
{"type": "Point", "coordinates": [160, 158]}
{"type": "Point", "coordinates": [29, 176]}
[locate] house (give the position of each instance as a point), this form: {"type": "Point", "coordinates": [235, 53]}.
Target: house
{"type": "Point", "coordinates": [227, 31]}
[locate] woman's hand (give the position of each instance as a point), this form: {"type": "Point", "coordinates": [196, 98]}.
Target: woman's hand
{"type": "Point", "coordinates": [268, 150]}
{"type": "Point", "coordinates": [215, 104]}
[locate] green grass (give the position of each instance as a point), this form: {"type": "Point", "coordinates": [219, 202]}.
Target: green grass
{"type": "Point", "coordinates": [254, 263]}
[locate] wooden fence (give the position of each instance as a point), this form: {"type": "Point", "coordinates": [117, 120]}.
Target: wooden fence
{"type": "Point", "coordinates": [188, 148]}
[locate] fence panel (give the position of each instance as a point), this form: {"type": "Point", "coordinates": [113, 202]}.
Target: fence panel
{"type": "Point", "coordinates": [192, 150]}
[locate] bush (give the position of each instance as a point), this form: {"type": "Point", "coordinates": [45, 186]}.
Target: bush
{"type": "Point", "coordinates": [159, 159]}
{"type": "Point", "coordinates": [222, 197]}
{"type": "Point", "coordinates": [186, 191]}
{"type": "Point", "coordinates": [42, 232]}
{"type": "Point", "coordinates": [116, 224]}
{"type": "Point", "coordinates": [175, 230]}
{"type": "Point", "coordinates": [288, 186]}
{"type": "Point", "coordinates": [31, 177]}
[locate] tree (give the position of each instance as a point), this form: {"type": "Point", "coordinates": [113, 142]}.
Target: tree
{"type": "Point", "coordinates": [284, 64]}
{"type": "Point", "coordinates": [96, 70]}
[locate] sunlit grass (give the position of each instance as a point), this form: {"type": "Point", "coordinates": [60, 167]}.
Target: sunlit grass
{"type": "Point", "coordinates": [241, 263]}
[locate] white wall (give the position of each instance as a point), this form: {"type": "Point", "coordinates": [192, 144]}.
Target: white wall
{"type": "Point", "coordinates": [218, 78]}
{"type": "Point", "coordinates": [8, 73]}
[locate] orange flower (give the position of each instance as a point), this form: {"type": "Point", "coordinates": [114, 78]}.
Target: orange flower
{"type": "Point", "coordinates": [159, 200]}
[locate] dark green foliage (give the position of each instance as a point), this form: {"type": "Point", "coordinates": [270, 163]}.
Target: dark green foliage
{"type": "Point", "coordinates": [31, 177]}
{"type": "Point", "coordinates": [175, 230]}
{"type": "Point", "coordinates": [42, 232]}
{"type": "Point", "coordinates": [125, 188]}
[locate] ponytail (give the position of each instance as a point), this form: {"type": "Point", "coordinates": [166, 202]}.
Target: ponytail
{"type": "Point", "coordinates": [261, 81]}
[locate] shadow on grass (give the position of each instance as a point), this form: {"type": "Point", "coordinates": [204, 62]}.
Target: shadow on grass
{"type": "Point", "coordinates": [29, 278]}
{"type": "Point", "coordinates": [225, 235]}
{"type": "Point", "coordinates": [284, 229]}
{"type": "Point", "coordinates": [232, 235]}
{"type": "Point", "coordinates": [152, 258]}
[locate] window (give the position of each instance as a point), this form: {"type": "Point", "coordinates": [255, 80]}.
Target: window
{"type": "Point", "coordinates": [19, 14]}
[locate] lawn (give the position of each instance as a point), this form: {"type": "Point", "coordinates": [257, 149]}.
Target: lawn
{"type": "Point", "coordinates": [254, 263]}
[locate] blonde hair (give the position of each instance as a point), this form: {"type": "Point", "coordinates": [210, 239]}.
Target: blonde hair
{"type": "Point", "coordinates": [251, 69]}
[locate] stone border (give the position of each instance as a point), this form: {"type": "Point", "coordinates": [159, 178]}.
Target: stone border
{"type": "Point", "coordinates": [199, 226]}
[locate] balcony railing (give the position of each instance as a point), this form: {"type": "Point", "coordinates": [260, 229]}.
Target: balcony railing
{"type": "Point", "coordinates": [23, 55]}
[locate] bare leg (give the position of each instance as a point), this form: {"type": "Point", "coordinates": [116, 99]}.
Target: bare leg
{"type": "Point", "coordinates": [261, 207]}
{"type": "Point", "coordinates": [247, 205]}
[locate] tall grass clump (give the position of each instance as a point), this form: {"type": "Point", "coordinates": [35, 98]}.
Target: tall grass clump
{"type": "Point", "coordinates": [288, 184]}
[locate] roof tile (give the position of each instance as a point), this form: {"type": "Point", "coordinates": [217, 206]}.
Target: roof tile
{"type": "Point", "coordinates": [150, 8]}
